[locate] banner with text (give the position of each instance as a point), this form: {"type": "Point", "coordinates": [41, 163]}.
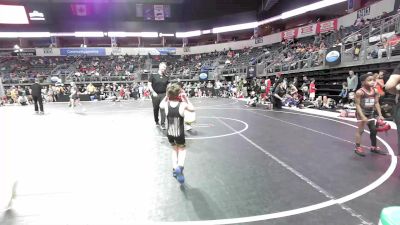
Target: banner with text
{"type": "Point", "coordinates": [25, 52]}
{"type": "Point", "coordinates": [83, 51]}
{"type": "Point", "coordinates": [251, 71]}
{"type": "Point", "coordinates": [306, 31]}
{"type": "Point", "coordinates": [310, 30]}
{"type": "Point", "coordinates": [328, 26]}
{"type": "Point", "coordinates": [289, 34]}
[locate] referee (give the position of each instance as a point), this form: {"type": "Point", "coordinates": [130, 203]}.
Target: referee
{"type": "Point", "coordinates": [393, 87]}
{"type": "Point", "coordinates": [158, 86]}
{"type": "Point", "coordinates": [37, 96]}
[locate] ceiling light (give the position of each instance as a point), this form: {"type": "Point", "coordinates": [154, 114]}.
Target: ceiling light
{"type": "Point", "coordinates": [188, 34]}
{"type": "Point", "coordinates": [236, 27]}
{"type": "Point", "coordinates": [166, 35]}
{"type": "Point", "coordinates": [310, 7]}
{"type": "Point", "coordinates": [89, 34]}
{"type": "Point", "coordinates": [62, 34]}
{"type": "Point", "coordinates": [24, 34]}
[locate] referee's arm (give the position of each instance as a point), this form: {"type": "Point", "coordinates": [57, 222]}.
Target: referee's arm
{"type": "Point", "coordinates": [391, 84]}
{"type": "Point", "coordinates": [150, 86]}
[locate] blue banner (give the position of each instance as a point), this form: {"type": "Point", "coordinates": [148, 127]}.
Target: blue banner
{"type": "Point", "coordinates": [167, 51]}
{"type": "Point", "coordinates": [83, 51]}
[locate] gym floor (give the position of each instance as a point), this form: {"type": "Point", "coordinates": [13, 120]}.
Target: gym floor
{"type": "Point", "coordinates": [107, 163]}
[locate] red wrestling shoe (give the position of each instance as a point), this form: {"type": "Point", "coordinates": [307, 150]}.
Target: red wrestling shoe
{"type": "Point", "coordinates": [359, 151]}
{"type": "Point", "coordinates": [377, 150]}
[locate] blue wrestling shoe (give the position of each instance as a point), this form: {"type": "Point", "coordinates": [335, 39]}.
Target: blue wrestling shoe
{"type": "Point", "coordinates": [179, 174]}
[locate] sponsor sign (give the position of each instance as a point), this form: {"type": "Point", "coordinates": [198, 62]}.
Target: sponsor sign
{"type": "Point", "coordinates": [251, 71]}
{"type": "Point", "coordinates": [83, 51]}
{"type": "Point", "coordinates": [306, 31]}
{"type": "Point", "coordinates": [25, 52]}
{"type": "Point", "coordinates": [333, 57]}
{"type": "Point", "coordinates": [364, 12]}
{"type": "Point", "coordinates": [48, 51]}
{"type": "Point", "coordinates": [289, 34]}
{"type": "Point", "coordinates": [328, 26]}
{"type": "Point", "coordinates": [203, 76]}
{"type": "Point", "coordinates": [166, 51]}
{"type": "Point", "coordinates": [116, 51]}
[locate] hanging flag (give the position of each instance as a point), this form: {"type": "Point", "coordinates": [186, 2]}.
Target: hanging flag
{"type": "Point", "coordinates": [159, 12]}
{"type": "Point", "coordinates": [81, 9]}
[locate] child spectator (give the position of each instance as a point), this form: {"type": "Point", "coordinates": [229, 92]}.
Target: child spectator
{"type": "Point", "coordinates": [344, 92]}
{"type": "Point", "coordinates": [312, 90]}
{"type": "Point", "coordinates": [252, 99]}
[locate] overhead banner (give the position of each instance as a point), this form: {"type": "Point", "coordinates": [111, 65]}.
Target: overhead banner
{"type": "Point", "coordinates": [159, 12]}
{"type": "Point", "coordinates": [310, 30]}
{"type": "Point", "coordinates": [83, 51]}
{"type": "Point", "coordinates": [289, 34]}
{"type": "Point", "coordinates": [25, 52]}
{"type": "Point", "coordinates": [48, 52]}
{"type": "Point", "coordinates": [251, 71]}
{"type": "Point", "coordinates": [140, 51]}
{"type": "Point", "coordinates": [306, 31]}
{"type": "Point", "coordinates": [364, 12]}
{"type": "Point", "coordinates": [328, 26]}
{"type": "Point", "coordinates": [166, 51]}
{"type": "Point", "coordinates": [333, 56]}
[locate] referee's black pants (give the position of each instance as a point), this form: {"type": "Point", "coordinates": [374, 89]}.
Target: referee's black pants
{"type": "Point", "coordinates": [156, 108]}
{"type": "Point", "coordinates": [36, 100]}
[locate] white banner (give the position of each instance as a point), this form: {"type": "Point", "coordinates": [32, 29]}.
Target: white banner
{"type": "Point", "coordinates": [159, 12]}
{"type": "Point", "coordinates": [47, 52]}
{"type": "Point", "coordinates": [306, 31]}
{"type": "Point", "coordinates": [327, 26]}
{"type": "Point", "coordinates": [289, 34]}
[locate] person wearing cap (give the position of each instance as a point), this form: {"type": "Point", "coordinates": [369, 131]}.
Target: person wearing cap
{"type": "Point", "coordinates": [393, 86]}
{"type": "Point", "coordinates": [367, 105]}
{"type": "Point", "coordinates": [36, 92]}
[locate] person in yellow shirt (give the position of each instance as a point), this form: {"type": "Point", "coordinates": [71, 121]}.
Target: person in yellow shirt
{"type": "Point", "coordinates": [91, 89]}
{"type": "Point", "coordinates": [14, 95]}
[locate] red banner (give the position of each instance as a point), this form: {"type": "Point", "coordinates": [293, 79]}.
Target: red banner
{"type": "Point", "coordinates": [289, 34]}
{"type": "Point", "coordinates": [328, 26]}
{"type": "Point", "coordinates": [308, 30]}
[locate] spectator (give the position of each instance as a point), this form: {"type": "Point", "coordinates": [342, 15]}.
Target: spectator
{"type": "Point", "coordinates": [352, 81]}
{"type": "Point", "coordinates": [379, 83]}
{"type": "Point", "coordinates": [343, 92]}
{"type": "Point", "coordinates": [278, 94]}
{"type": "Point", "coordinates": [312, 90]}
{"type": "Point", "coordinates": [383, 46]}
{"type": "Point", "coordinates": [357, 51]}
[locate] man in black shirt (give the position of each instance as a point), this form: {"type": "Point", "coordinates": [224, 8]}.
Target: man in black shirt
{"type": "Point", "coordinates": [158, 86]}
{"type": "Point", "coordinates": [37, 96]}
{"type": "Point", "coordinates": [393, 86]}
